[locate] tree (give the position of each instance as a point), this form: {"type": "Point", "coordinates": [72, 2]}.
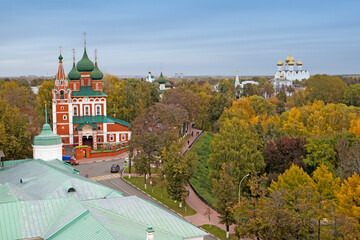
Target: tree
{"type": "Point", "coordinates": [348, 201]}
{"type": "Point", "coordinates": [250, 90]}
{"type": "Point", "coordinates": [15, 138]}
{"type": "Point", "coordinates": [327, 186]}
{"type": "Point", "coordinates": [329, 89]}
{"type": "Point", "coordinates": [320, 150]}
{"type": "Point", "coordinates": [299, 197]}
{"type": "Point", "coordinates": [45, 95]}
{"type": "Point", "coordinates": [178, 169]}
{"type": "Point", "coordinates": [238, 145]}
{"type": "Point", "coordinates": [349, 157]}
{"type": "Point", "coordinates": [225, 198]}
{"type": "Point", "coordinates": [280, 154]}
{"type": "Point", "coordinates": [352, 95]}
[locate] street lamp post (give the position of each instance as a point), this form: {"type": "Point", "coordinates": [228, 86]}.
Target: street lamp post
{"type": "Point", "coordinates": [240, 184]}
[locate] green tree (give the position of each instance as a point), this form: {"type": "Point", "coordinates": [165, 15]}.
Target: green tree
{"type": "Point", "coordinates": [250, 90]}
{"type": "Point", "coordinates": [15, 138]}
{"type": "Point", "coordinates": [225, 197]}
{"type": "Point", "coordinates": [329, 89]}
{"type": "Point", "coordinates": [238, 145]}
{"type": "Point", "coordinates": [352, 95]}
{"type": "Point", "coordinates": [45, 95]}
{"type": "Point", "coordinates": [320, 150]}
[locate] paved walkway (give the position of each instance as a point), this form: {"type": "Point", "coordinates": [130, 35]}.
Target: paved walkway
{"type": "Point", "coordinates": [103, 159]}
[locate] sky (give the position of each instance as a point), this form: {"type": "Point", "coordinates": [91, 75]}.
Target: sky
{"type": "Point", "coordinates": [193, 37]}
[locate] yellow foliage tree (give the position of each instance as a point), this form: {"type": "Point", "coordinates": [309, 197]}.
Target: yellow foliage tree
{"type": "Point", "coordinates": [355, 127]}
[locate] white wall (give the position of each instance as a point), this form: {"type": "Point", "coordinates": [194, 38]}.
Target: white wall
{"type": "Point", "coordinates": [48, 152]}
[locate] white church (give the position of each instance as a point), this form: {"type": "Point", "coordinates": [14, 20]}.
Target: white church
{"type": "Point", "coordinates": [286, 75]}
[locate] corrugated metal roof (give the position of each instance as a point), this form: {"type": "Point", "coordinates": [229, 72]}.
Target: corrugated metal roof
{"type": "Point", "coordinates": [11, 193]}
{"type": "Point", "coordinates": [146, 213]}
{"type": "Point", "coordinates": [98, 119]}
{"type": "Point", "coordinates": [48, 181]}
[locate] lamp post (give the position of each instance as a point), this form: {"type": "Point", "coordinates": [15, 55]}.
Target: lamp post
{"type": "Point", "coordinates": [241, 182]}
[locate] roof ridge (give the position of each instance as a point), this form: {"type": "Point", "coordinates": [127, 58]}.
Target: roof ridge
{"type": "Point", "coordinates": [97, 206]}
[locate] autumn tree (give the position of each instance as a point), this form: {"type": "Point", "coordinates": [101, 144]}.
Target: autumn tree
{"type": "Point", "coordinates": [45, 95]}
{"type": "Point", "coordinates": [348, 206]}
{"type": "Point", "coordinates": [281, 153]}
{"type": "Point", "coordinates": [329, 89]}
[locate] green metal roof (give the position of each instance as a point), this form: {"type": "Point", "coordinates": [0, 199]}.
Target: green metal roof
{"type": "Point", "coordinates": [85, 64]}
{"type": "Point", "coordinates": [98, 119]}
{"type": "Point", "coordinates": [12, 193]}
{"type": "Point", "coordinates": [74, 74]}
{"type": "Point", "coordinates": [87, 92]}
{"type": "Point", "coordinates": [49, 181]}
{"type": "Point", "coordinates": [47, 137]}
{"type": "Point", "coordinates": [84, 123]}
{"type": "Point", "coordinates": [96, 74]}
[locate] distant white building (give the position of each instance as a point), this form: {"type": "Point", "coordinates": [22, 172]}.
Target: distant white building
{"type": "Point", "coordinates": [150, 77]}
{"type": "Point", "coordinates": [285, 76]}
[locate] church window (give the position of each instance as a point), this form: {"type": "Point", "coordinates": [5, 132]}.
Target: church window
{"type": "Point", "coordinates": [75, 110]}
{"type": "Point", "coordinates": [74, 87]}
{"type": "Point", "coordinates": [98, 110]}
{"type": "Point", "coordinates": [123, 137]}
{"type": "Point", "coordinates": [82, 82]}
{"type": "Point", "coordinates": [111, 137]}
{"type": "Point", "coordinates": [87, 111]}
{"type": "Point", "coordinates": [97, 86]}
{"type": "Point", "coordinates": [88, 82]}
{"type": "Point", "coordinates": [99, 139]}
{"type": "Point", "coordinates": [64, 117]}
{"type": "Point", "coordinates": [61, 94]}
{"type": "Point", "coordinates": [62, 108]}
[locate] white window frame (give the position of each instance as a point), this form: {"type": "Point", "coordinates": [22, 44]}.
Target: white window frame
{"type": "Point", "coordinates": [87, 107]}
{"type": "Point", "coordinates": [64, 117]}
{"type": "Point", "coordinates": [123, 137]}
{"type": "Point", "coordinates": [98, 107]}
{"type": "Point", "coordinates": [111, 138]}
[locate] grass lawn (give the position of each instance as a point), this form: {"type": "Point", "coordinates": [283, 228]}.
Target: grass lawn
{"type": "Point", "coordinates": [158, 191]}
{"type": "Point", "coordinates": [200, 180]}
{"type": "Point", "coordinates": [218, 232]}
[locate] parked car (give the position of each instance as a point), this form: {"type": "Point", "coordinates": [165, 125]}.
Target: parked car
{"type": "Point", "coordinates": [115, 168]}
{"type": "Point", "coordinates": [70, 160]}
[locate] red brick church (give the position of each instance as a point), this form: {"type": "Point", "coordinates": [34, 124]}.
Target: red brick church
{"type": "Point", "coordinates": [79, 107]}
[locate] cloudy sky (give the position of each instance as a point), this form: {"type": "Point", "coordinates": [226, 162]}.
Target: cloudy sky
{"type": "Point", "coordinates": [195, 37]}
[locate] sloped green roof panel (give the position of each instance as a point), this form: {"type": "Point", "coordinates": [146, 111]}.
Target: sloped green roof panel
{"type": "Point", "coordinates": [87, 92]}
{"type": "Point", "coordinates": [84, 123]}
{"type": "Point", "coordinates": [47, 137]}
{"type": "Point", "coordinates": [98, 119]}
{"type": "Point", "coordinates": [12, 193]}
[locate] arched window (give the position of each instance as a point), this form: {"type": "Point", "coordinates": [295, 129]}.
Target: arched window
{"type": "Point", "coordinates": [111, 137]}
{"type": "Point", "coordinates": [87, 111]}
{"type": "Point", "coordinates": [88, 82]}
{"type": "Point", "coordinates": [97, 86]}
{"type": "Point", "coordinates": [82, 82]}
{"type": "Point", "coordinates": [64, 117]}
{"type": "Point", "coordinates": [61, 94]}
{"type": "Point", "coordinates": [98, 110]}
{"type": "Point", "coordinates": [71, 190]}
{"type": "Point", "coordinates": [75, 110]}
{"type": "Point", "coordinates": [123, 137]}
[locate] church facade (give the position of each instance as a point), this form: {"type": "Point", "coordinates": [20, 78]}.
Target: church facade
{"type": "Point", "coordinates": [285, 76]}
{"type": "Point", "coordinates": [79, 107]}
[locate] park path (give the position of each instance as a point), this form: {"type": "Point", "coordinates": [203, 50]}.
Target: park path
{"type": "Point", "coordinates": [204, 213]}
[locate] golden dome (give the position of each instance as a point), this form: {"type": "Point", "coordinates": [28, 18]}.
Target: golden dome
{"type": "Point", "coordinates": [281, 75]}
{"type": "Point", "coordinates": [299, 63]}
{"type": "Point", "coordinates": [280, 63]}
{"type": "Point", "coordinates": [289, 58]}
{"type": "Point", "coordinates": [291, 62]}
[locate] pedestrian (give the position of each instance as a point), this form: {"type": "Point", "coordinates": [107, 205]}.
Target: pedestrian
{"type": "Point", "coordinates": [188, 142]}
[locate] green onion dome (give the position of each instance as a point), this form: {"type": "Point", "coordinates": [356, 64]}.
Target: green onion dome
{"type": "Point", "coordinates": [60, 57]}
{"type": "Point", "coordinates": [96, 74]}
{"type": "Point", "coordinates": [85, 64]}
{"type": "Point", "coordinates": [167, 85]}
{"type": "Point", "coordinates": [161, 79]}
{"type": "Point", "coordinates": [74, 74]}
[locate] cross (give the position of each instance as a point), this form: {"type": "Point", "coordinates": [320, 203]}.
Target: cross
{"type": "Point", "coordinates": [161, 66]}
{"type": "Point", "coordinates": [85, 39]}
{"type": "Point", "coordinates": [95, 54]}
{"type": "Point", "coordinates": [60, 49]}
{"type": "Point", "coordinates": [73, 54]}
